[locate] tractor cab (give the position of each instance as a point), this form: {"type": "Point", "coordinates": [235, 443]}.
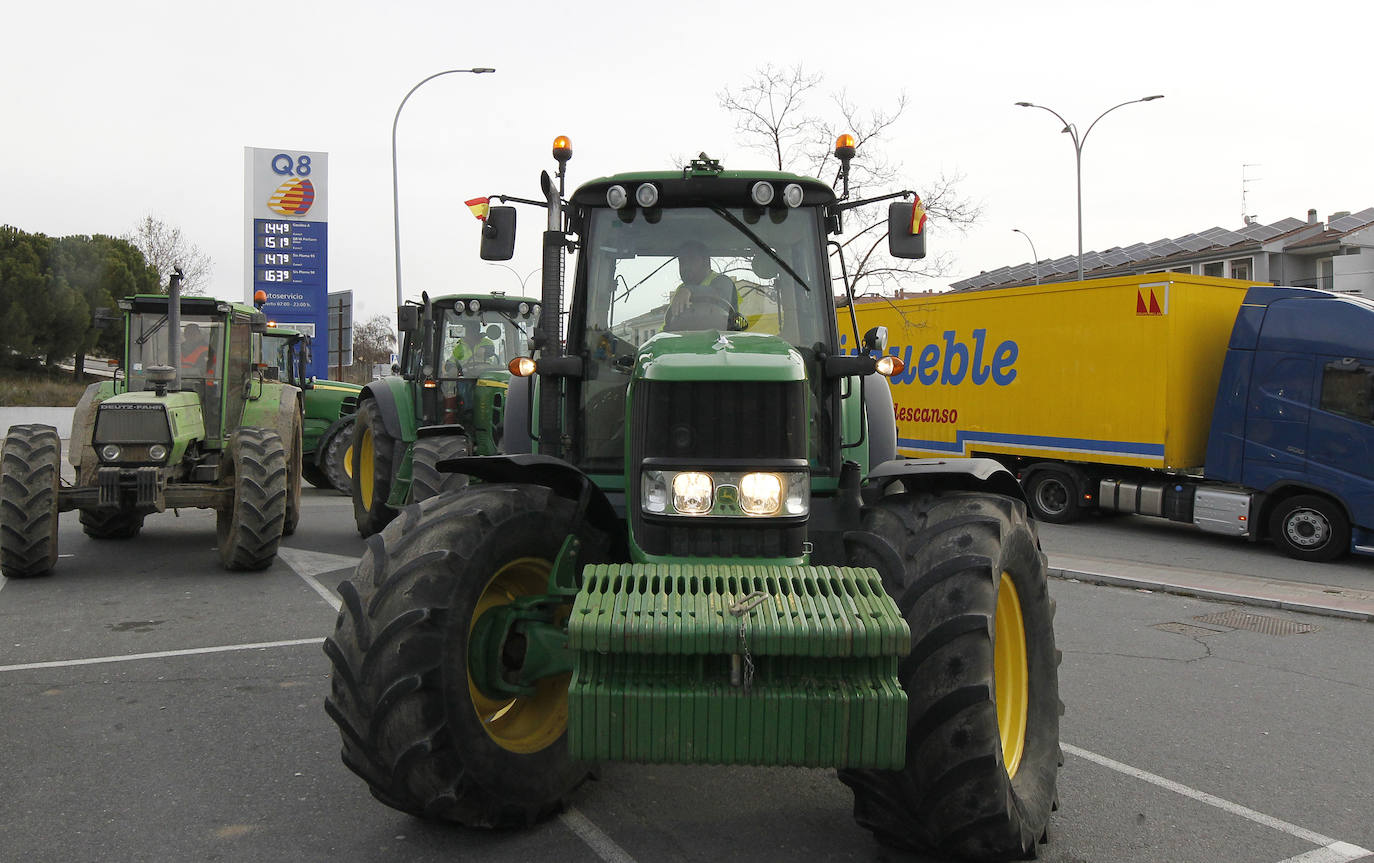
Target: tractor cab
{"type": "Point", "coordinates": [284, 354]}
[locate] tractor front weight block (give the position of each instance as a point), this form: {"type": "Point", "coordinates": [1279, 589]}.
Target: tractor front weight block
{"type": "Point", "coordinates": [737, 664]}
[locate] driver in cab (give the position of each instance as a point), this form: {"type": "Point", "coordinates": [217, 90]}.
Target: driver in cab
{"type": "Point", "coordinates": [705, 299]}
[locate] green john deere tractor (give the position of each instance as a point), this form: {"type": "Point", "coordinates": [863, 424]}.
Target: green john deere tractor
{"type": "Point", "coordinates": [701, 547]}
{"type": "Point", "coordinates": [329, 406]}
{"type": "Point", "coordinates": [448, 400]}
{"type": "Point", "coordinates": [191, 423]}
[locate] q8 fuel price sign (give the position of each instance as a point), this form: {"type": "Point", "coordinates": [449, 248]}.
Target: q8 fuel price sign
{"type": "Point", "coordinates": [287, 240]}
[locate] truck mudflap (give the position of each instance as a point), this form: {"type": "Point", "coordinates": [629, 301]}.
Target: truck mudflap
{"type": "Point", "coordinates": [737, 664]}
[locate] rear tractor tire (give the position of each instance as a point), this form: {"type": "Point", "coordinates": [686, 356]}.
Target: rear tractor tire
{"type": "Point", "coordinates": [982, 750]}
{"type": "Point", "coordinates": [426, 480]}
{"type": "Point", "coordinates": [333, 457]}
{"type": "Point", "coordinates": [250, 528]}
{"type": "Point", "coordinates": [414, 726]}
{"type": "Point", "coordinates": [373, 470]}
{"type": "Point", "coordinates": [111, 523]}
{"type": "Point", "coordinates": [29, 470]}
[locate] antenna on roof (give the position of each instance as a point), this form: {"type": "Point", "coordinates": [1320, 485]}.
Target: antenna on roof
{"type": "Point", "coordinates": [1246, 217]}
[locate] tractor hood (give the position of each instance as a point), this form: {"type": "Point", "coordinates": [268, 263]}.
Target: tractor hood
{"type": "Point", "coordinates": [717, 355]}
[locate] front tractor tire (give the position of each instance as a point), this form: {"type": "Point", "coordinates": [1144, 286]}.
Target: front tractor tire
{"type": "Point", "coordinates": [373, 469]}
{"type": "Point", "coordinates": [982, 750]}
{"type": "Point", "coordinates": [426, 480]}
{"type": "Point", "coordinates": [414, 726]}
{"type": "Point", "coordinates": [29, 470]}
{"type": "Point", "coordinates": [250, 528]}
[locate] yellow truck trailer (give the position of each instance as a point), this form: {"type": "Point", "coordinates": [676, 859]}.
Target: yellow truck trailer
{"type": "Point", "coordinates": [1104, 394]}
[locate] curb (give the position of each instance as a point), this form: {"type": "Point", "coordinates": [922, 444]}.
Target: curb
{"type": "Point", "coordinates": [1319, 599]}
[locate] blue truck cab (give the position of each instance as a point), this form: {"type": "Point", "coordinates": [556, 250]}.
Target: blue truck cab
{"type": "Point", "coordinates": [1292, 432]}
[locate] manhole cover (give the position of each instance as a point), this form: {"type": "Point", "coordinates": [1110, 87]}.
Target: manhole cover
{"type": "Point", "coordinates": [1185, 629]}
{"type": "Point", "coordinates": [1237, 619]}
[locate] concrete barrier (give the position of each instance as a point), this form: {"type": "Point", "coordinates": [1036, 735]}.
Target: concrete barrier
{"type": "Point", "coordinates": [59, 418]}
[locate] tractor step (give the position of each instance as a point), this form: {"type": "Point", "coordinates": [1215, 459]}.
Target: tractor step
{"type": "Point", "coordinates": [737, 664]}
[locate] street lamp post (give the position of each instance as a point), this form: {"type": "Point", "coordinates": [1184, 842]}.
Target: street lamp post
{"type": "Point", "coordinates": [516, 273]}
{"type": "Point", "coordinates": [395, 188]}
{"type": "Point", "coordinates": [1078, 143]}
{"type": "Point", "coordinates": [1035, 259]}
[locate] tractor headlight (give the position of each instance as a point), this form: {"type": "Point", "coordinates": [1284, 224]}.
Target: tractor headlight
{"type": "Point", "coordinates": [692, 493]}
{"type": "Point", "coordinates": [760, 493]}
{"type": "Point", "coordinates": [616, 197]}
{"type": "Point", "coordinates": [157, 452]}
{"type": "Point", "coordinates": [725, 493]}
{"type": "Point", "coordinates": [762, 193]}
{"type": "Point", "coordinates": [110, 452]}
{"type": "Point", "coordinates": [792, 195]}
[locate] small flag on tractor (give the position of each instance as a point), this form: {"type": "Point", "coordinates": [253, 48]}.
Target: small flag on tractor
{"type": "Point", "coordinates": [918, 216]}
{"type": "Point", "coordinates": [479, 207]}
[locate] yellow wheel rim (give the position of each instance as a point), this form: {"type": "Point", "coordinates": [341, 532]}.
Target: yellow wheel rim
{"type": "Point", "coordinates": [366, 455]}
{"type": "Point", "coordinates": [1010, 674]}
{"type": "Point", "coordinates": [526, 724]}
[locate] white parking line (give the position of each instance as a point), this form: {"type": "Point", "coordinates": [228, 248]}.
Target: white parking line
{"type": "Point", "coordinates": [329, 596]}
{"type": "Point", "coordinates": [1332, 850]}
{"type": "Point", "coordinates": [161, 654]}
{"type": "Point", "coordinates": [599, 842]}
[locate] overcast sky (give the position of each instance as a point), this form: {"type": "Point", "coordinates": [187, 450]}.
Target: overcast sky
{"type": "Point", "coordinates": [114, 110]}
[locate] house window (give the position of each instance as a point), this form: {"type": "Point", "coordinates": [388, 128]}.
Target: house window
{"type": "Point", "coordinates": [1348, 389]}
{"type": "Point", "coordinates": [1216, 268]}
{"type": "Point", "coordinates": [1240, 268]}
{"type": "Point", "coordinates": [1181, 270]}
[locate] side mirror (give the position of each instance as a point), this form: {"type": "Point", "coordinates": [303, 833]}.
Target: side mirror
{"type": "Point", "coordinates": [901, 242]}
{"type": "Point", "coordinates": [876, 340]}
{"type": "Point", "coordinates": [498, 234]}
{"type": "Point", "coordinates": [408, 318]}
{"type": "Point", "coordinates": [258, 322]}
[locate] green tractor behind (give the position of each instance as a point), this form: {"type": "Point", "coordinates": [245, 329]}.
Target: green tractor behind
{"type": "Point", "coordinates": [700, 547]}
{"type": "Point", "coordinates": [191, 423]}
{"type": "Point", "coordinates": [449, 399]}
{"type": "Point", "coordinates": [329, 407]}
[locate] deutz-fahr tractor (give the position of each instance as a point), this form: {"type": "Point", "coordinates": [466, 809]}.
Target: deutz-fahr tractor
{"type": "Point", "coordinates": [701, 547]}
{"type": "Point", "coordinates": [191, 423]}
{"type": "Point", "coordinates": [328, 406]}
{"type": "Point", "coordinates": [449, 399]}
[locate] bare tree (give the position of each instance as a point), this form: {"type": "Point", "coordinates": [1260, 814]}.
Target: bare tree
{"type": "Point", "coordinates": [373, 341]}
{"type": "Point", "coordinates": [165, 249]}
{"type": "Point", "coordinates": [776, 113]}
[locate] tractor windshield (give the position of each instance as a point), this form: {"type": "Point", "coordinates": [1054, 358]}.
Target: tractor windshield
{"type": "Point", "coordinates": [201, 336]}
{"type": "Point", "coordinates": [473, 343]}
{"type": "Point", "coordinates": [697, 268]}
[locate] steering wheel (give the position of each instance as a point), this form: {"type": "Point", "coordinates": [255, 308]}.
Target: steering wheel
{"type": "Point", "coordinates": [733, 319]}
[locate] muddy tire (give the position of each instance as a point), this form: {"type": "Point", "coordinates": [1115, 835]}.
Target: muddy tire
{"type": "Point", "coordinates": [414, 726]}
{"type": "Point", "coordinates": [250, 528]}
{"type": "Point", "coordinates": [316, 477]}
{"type": "Point", "coordinates": [334, 455]}
{"type": "Point", "coordinates": [29, 469]}
{"type": "Point", "coordinates": [426, 480]}
{"type": "Point", "coordinates": [294, 463]}
{"type": "Point", "coordinates": [982, 750]}
{"type": "Point", "coordinates": [111, 523]}
{"type": "Point", "coordinates": [373, 470]}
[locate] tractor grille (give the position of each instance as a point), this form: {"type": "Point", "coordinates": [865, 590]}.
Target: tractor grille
{"type": "Point", "coordinates": [132, 423]}
{"type": "Point", "coordinates": [755, 423]}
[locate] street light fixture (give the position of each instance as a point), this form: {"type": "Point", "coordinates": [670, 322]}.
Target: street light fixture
{"type": "Point", "coordinates": [516, 273]}
{"type": "Point", "coordinates": [395, 188]}
{"type": "Point", "coordinates": [1078, 143]}
{"type": "Point", "coordinates": [1035, 259]}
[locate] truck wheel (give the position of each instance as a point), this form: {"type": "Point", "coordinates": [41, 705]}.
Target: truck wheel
{"type": "Point", "coordinates": [111, 523]}
{"type": "Point", "coordinates": [250, 527]}
{"type": "Point", "coordinates": [334, 459]}
{"type": "Point", "coordinates": [426, 480]}
{"type": "Point", "coordinates": [1053, 496]}
{"type": "Point", "coordinates": [29, 470]}
{"type": "Point", "coordinates": [1309, 527]}
{"type": "Point", "coordinates": [372, 470]}
{"type": "Point", "coordinates": [414, 726]}
{"type": "Point", "coordinates": [295, 461]}
{"type": "Point", "coordinates": [982, 682]}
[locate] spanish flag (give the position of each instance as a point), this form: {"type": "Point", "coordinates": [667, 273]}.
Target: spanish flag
{"type": "Point", "coordinates": [918, 216]}
{"type": "Point", "coordinates": [479, 207]}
